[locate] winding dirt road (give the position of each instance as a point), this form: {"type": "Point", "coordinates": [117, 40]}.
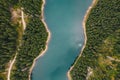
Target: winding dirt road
{"type": "Point", "coordinates": [13, 61]}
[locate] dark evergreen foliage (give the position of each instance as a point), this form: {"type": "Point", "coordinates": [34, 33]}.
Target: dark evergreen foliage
{"type": "Point", "coordinates": [103, 39]}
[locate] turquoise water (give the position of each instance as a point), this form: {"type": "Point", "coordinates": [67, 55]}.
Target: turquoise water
{"type": "Point", "coordinates": [64, 19]}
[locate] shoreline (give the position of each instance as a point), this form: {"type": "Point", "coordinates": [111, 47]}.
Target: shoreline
{"type": "Point", "coordinates": [48, 39]}
{"type": "Point", "coordinates": [94, 2]}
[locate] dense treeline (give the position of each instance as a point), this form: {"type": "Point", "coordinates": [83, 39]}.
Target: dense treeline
{"type": "Point", "coordinates": [102, 51]}
{"type": "Point", "coordinates": [8, 37]}
{"type": "Point", "coordinates": [34, 40]}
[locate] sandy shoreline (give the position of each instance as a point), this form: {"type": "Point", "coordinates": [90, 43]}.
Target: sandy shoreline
{"type": "Point", "coordinates": [94, 2]}
{"type": "Point", "coordinates": [42, 53]}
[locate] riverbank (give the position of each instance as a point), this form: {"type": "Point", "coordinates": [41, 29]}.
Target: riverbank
{"type": "Point", "coordinates": [48, 39]}
{"type": "Point", "coordinates": [84, 27]}
{"type": "Point", "coordinates": [102, 44]}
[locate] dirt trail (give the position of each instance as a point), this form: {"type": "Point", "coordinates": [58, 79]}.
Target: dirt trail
{"type": "Point", "coordinates": [13, 61]}
{"type": "Point", "coordinates": [23, 20]}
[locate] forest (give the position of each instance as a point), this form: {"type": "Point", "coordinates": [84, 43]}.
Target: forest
{"type": "Point", "coordinates": [100, 58]}
{"type": "Point", "coordinates": [8, 37]}
{"type": "Point", "coordinates": [31, 43]}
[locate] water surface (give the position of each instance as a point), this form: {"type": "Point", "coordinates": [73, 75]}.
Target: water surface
{"type": "Point", "coordinates": [64, 19]}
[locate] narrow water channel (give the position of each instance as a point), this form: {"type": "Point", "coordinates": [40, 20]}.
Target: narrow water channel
{"type": "Point", "coordinates": [64, 19]}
